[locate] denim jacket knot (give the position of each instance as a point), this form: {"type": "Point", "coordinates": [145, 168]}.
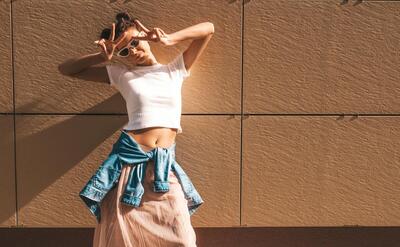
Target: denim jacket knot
{"type": "Point", "coordinates": [127, 151]}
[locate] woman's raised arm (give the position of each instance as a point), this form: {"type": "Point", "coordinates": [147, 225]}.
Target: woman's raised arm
{"type": "Point", "coordinates": [201, 33]}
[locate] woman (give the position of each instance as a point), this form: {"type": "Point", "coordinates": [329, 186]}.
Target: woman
{"type": "Point", "coordinates": [152, 94]}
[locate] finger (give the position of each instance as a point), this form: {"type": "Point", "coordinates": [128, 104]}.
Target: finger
{"type": "Point", "coordinates": [103, 48]}
{"type": "Point", "coordinates": [120, 39]}
{"type": "Point", "coordinates": [141, 26]}
{"type": "Point", "coordinates": [140, 38]}
{"type": "Point", "coordinates": [142, 34]}
{"type": "Point", "coordinates": [163, 33]}
{"type": "Point", "coordinates": [112, 36]}
{"type": "Point", "coordinates": [158, 33]}
{"type": "Point", "coordinates": [99, 42]}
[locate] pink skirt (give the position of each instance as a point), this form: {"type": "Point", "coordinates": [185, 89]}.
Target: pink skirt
{"type": "Point", "coordinates": [162, 219]}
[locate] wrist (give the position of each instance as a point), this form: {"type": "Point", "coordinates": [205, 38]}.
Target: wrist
{"type": "Point", "coordinates": [170, 41]}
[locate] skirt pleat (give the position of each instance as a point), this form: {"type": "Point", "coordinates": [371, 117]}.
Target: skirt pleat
{"type": "Point", "coordinates": [161, 220]}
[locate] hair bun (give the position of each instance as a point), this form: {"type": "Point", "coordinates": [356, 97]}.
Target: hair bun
{"type": "Point", "coordinates": [123, 16]}
{"type": "Point", "coordinates": [105, 33]}
{"type": "Point", "coordinates": [124, 21]}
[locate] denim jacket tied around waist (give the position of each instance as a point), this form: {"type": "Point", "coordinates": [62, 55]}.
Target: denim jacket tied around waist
{"type": "Point", "coordinates": [127, 151]}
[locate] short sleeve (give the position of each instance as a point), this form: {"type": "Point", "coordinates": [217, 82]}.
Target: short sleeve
{"type": "Point", "coordinates": [177, 67]}
{"type": "Point", "coordinates": [114, 72]}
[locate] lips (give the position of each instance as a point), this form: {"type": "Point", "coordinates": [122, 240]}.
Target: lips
{"type": "Point", "coordinates": [139, 56]}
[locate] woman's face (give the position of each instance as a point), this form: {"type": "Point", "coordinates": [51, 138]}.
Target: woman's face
{"type": "Point", "coordinates": [141, 54]}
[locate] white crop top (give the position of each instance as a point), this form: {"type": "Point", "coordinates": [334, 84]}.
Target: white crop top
{"type": "Point", "coordinates": [152, 93]}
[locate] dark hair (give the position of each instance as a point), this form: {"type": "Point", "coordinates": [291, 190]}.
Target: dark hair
{"type": "Point", "coordinates": [124, 20]}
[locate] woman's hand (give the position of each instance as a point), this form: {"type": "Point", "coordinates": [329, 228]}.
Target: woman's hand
{"type": "Point", "coordinates": [154, 35]}
{"type": "Point", "coordinates": [108, 45]}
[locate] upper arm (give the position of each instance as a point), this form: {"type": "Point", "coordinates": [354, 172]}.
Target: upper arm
{"type": "Point", "coordinates": [195, 49]}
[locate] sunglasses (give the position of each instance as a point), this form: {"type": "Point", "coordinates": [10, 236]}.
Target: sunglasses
{"type": "Point", "coordinates": [124, 52]}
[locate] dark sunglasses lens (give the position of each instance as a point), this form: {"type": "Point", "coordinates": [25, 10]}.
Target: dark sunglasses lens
{"type": "Point", "coordinates": [135, 43]}
{"type": "Point", "coordinates": [124, 52]}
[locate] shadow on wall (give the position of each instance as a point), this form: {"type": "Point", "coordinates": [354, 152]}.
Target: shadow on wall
{"type": "Point", "coordinates": [7, 192]}
{"type": "Point", "coordinates": [47, 154]}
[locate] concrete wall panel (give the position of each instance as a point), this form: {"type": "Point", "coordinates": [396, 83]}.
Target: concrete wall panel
{"type": "Point", "coordinates": [56, 35]}
{"type": "Point", "coordinates": [7, 172]}
{"type": "Point", "coordinates": [321, 171]}
{"type": "Point", "coordinates": [321, 57]}
{"type": "Point", "coordinates": [299, 57]}
{"type": "Point", "coordinates": [58, 154]}
{"type": "Point", "coordinates": [210, 148]}
{"type": "Point", "coordinates": [6, 101]}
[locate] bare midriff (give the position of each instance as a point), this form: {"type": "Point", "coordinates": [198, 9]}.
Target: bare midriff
{"type": "Point", "coordinates": [152, 137]}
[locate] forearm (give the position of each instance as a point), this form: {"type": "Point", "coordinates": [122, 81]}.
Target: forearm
{"type": "Point", "coordinates": [197, 31]}
{"type": "Point", "coordinates": [78, 64]}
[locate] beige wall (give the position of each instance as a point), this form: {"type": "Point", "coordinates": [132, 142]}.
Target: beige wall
{"type": "Point", "coordinates": [264, 139]}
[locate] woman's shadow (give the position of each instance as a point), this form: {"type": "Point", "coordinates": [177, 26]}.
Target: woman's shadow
{"type": "Point", "coordinates": [55, 156]}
